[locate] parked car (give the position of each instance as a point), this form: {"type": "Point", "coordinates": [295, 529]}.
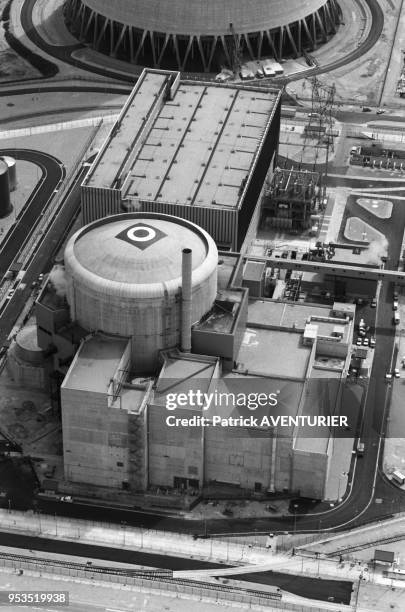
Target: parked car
{"type": "Point", "coordinates": [374, 302]}
{"type": "Point", "coordinates": [396, 373]}
{"type": "Point", "coordinates": [246, 73]}
{"type": "Point", "coordinates": [359, 341]}
{"type": "Point", "coordinates": [388, 376]}
{"type": "Point", "coordinates": [366, 341]}
{"type": "Point", "coordinates": [372, 342]}
{"type": "Point", "coordinates": [380, 111]}
{"type": "Point", "coordinates": [395, 305]}
{"type": "Point", "coordinates": [397, 319]}
{"type": "Point", "coordinates": [10, 294]}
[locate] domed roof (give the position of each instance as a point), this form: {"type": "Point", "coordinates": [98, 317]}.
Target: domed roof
{"type": "Point", "coordinates": [205, 16]}
{"type": "Point", "coordinates": [137, 249]}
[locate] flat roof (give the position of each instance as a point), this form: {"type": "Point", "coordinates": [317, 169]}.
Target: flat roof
{"type": "Point", "coordinates": [180, 374]}
{"type": "Point", "coordinates": [226, 268]}
{"type": "Point", "coordinates": [282, 314]}
{"type": "Point", "coordinates": [274, 353]}
{"type": "Point", "coordinates": [94, 364]}
{"type": "Point", "coordinates": [386, 556]}
{"type": "Point", "coordinates": [254, 270]}
{"type": "Point", "coordinates": [196, 149]}
{"type": "Point", "coordinates": [126, 130]}
{"type": "Point", "coordinates": [201, 146]}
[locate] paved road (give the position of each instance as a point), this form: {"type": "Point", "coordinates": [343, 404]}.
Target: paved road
{"type": "Point", "coordinates": [304, 586]}
{"type": "Point", "coordinates": [64, 53]}
{"type": "Point", "coordinates": [374, 34]}
{"type": "Point", "coordinates": [161, 561]}
{"type": "Point", "coordinates": [52, 173]}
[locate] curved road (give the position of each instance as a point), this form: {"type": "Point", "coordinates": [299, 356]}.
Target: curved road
{"type": "Point", "coordinates": [64, 53]}
{"type": "Point", "coordinates": [53, 173]}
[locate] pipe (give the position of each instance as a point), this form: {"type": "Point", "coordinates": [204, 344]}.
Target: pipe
{"type": "Point", "coordinates": [186, 271]}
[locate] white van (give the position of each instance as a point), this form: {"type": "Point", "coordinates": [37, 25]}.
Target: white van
{"type": "Point", "coordinates": [360, 448]}
{"type": "Point", "coordinates": [278, 69]}
{"type": "Point", "coordinates": [274, 66]}
{"type": "Point", "coordinates": [246, 73]}
{"type": "Point", "coordinates": [268, 70]}
{"type": "Point", "coordinates": [398, 477]}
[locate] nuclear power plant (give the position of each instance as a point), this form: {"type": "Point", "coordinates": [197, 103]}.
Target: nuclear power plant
{"type": "Point", "coordinates": [144, 309]}
{"type": "Point", "coordinates": [149, 299]}
{"type": "Point", "coordinates": [201, 35]}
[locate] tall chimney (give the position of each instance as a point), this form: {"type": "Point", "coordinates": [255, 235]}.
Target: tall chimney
{"type": "Point", "coordinates": [186, 271]}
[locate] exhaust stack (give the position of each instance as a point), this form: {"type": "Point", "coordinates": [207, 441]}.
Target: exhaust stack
{"type": "Point", "coordinates": [186, 271]}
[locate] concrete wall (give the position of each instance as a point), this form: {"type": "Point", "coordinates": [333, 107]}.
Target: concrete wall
{"type": "Point", "coordinates": [95, 439]}
{"type": "Point", "coordinates": [283, 460]}
{"type": "Point", "coordinates": [207, 342]}
{"type": "Point", "coordinates": [173, 451]}
{"type": "Point", "coordinates": [309, 472]}
{"type": "Point", "coordinates": [238, 460]}
{"type": "Point", "coordinates": [26, 374]}
{"type": "Point", "coordinates": [48, 320]}
{"type": "Point", "coordinates": [222, 344]}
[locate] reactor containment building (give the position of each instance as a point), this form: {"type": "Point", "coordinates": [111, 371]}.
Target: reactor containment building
{"type": "Point", "coordinates": [201, 35]}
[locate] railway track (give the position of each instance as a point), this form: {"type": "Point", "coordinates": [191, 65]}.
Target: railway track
{"type": "Point", "coordinates": [86, 567]}
{"type": "Point", "coordinates": [154, 575]}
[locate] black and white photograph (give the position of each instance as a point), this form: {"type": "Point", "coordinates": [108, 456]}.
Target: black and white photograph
{"type": "Point", "coordinates": [202, 305]}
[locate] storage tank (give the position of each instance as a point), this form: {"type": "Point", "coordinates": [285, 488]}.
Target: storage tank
{"type": "Point", "coordinates": [26, 347]}
{"type": "Point", "coordinates": [124, 277]}
{"type": "Point", "coordinates": [5, 204]}
{"type": "Point", "coordinates": [12, 171]}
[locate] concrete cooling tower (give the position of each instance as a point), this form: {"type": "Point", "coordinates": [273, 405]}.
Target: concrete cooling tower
{"type": "Point", "coordinates": [201, 35]}
{"type": "Point", "coordinates": [124, 277]}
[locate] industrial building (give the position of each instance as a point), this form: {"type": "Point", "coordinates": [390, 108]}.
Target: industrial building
{"type": "Point", "coordinates": [292, 201]}
{"type": "Point", "coordinates": [201, 35]}
{"type": "Point", "coordinates": [378, 156]}
{"type": "Point", "coordinates": [145, 307]}
{"type": "Point", "coordinates": [197, 151]}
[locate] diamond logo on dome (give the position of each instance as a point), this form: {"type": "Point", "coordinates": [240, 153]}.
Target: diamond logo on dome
{"type": "Point", "coordinates": [141, 235]}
